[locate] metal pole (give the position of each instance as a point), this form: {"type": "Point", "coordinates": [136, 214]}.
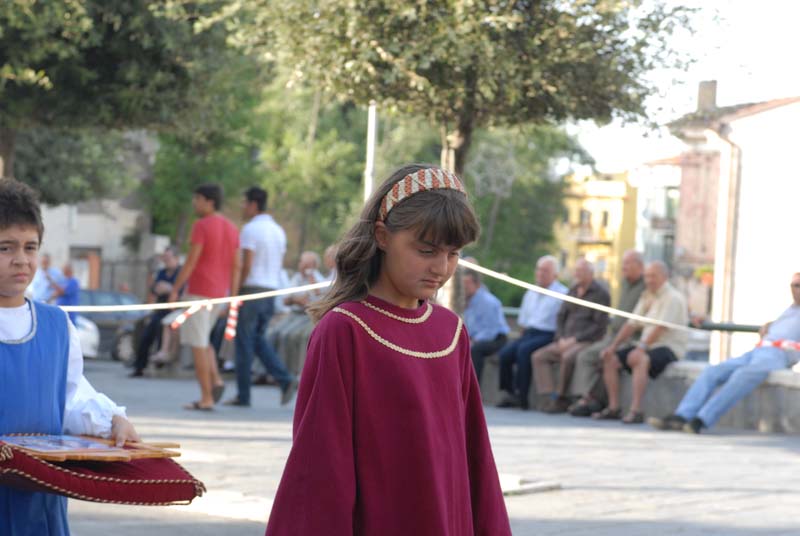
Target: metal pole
{"type": "Point", "coordinates": [369, 167]}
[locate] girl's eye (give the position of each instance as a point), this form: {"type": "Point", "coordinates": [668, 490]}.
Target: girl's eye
{"type": "Point", "coordinates": [426, 251]}
{"type": "Point", "coordinates": [455, 253]}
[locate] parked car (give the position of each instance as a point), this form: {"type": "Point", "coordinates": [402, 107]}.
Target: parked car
{"type": "Point", "coordinates": [116, 328]}
{"type": "Point", "coordinates": [89, 335]}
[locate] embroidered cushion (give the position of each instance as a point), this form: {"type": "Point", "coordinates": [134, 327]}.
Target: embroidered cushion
{"type": "Point", "coordinates": [150, 481]}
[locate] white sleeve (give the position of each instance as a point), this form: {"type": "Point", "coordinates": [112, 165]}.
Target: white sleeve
{"type": "Point", "coordinates": [86, 411]}
{"type": "Point", "coordinates": [247, 238]}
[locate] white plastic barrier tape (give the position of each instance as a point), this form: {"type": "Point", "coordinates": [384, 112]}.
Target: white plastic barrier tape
{"type": "Point", "coordinates": [572, 299]}
{"type": "Point", "coordinates": [178, 305]}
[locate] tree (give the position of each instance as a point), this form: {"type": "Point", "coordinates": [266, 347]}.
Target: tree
{"type": "Point", "coordinates": [216, 140]}
{"type": "Point", "coordinates": [465, 65]}
{"type": "Point", "coordinates": [517, 197]}
{"type": "Point", "coordinates": [71, 166]}
{"type": "Point", "coordinates": [93, 63]}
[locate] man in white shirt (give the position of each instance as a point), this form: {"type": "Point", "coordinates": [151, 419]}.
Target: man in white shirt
{"type": "Point", "coordinates": [658, 346]}
{"type": "Point", "coordinates": [263, 245]}
{"type": "Point", "coordinates": [537, 316]}
{"type": "Point", "coordinates": [42, 289]}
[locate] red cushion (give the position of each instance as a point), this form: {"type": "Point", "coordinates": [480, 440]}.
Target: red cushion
{"type": "Point", "coordinates": [152, 481]}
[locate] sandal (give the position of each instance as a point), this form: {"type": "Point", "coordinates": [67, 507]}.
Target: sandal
{"type": "Point", "coordinates": [607, 414]}
{"type": "Point", "coordinates": [195, 406]}
{"type": "Point", "coordinates": [634, 417]}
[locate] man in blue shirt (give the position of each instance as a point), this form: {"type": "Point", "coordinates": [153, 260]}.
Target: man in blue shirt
{"type": "Point", "coordinates": [67, 291]}
{"type": "Point", "coordinates": [537, 316]}
{"type": "Point", "coordinates": [721, 386]}
{"type": "Point", "coordinates": [484, 319]}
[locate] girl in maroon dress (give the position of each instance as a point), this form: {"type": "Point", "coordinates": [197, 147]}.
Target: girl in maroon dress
{"type": "Point", "coordinates": [389, 433]}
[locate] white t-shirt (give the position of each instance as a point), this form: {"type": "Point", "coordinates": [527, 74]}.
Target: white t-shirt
{"type": "Point", "coordinates": [266, 239]}
{"type": "Point", "coordinates": [86, 411]}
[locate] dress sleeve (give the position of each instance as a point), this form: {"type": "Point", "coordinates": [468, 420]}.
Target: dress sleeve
{"type": "Point", "coordinates": [317, 492]}
{"type": "Point", "coordinates": [86, 411]}
{"type": "Point", "coordinates": [489, 516]}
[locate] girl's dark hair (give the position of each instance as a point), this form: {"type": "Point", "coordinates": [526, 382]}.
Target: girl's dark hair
{"type": "Point", "coordinates": [19, 205]}
{"type": "Point", "coordinates": [442, 217]}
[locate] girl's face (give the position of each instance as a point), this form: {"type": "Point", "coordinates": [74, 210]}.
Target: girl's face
{"type": "Point", "coordinates": [413, 269]}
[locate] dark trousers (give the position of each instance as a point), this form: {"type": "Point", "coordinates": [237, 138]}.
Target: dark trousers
{"type": "Point", "coordinates": [519, 353]}
{"type": "Point", "coordinates": [482, 349]}
{"type": "Point", "coordinates": [251, 338]}
{"type": "Point", "coordinates": [150, 334]}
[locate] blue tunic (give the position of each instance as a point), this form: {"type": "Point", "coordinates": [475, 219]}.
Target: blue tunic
{"type": "Point", "coordinates": [33, 384]}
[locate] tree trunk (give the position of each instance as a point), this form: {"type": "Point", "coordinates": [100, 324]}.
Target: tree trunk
{"type": "Point", "coordinates": [489, 235]}
{"type": "Point", "coordinates": [180, 230]}
{"type": "Point", "coordinates": [455, 145]}
{"type": "Point", "coordinates": [8, 139]}
{"type": "Point", "coordinates": [312, 124]}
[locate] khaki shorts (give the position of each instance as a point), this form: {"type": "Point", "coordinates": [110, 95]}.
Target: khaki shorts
{"type": "Point", "coordinates": [196, 331]}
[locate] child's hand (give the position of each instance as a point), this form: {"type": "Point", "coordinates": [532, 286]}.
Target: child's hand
{"type": "Point", "coordinates": [122, 430]}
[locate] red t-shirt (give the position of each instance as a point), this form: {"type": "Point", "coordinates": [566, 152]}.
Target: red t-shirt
{"type": "Point", "coordinates": [219, 237]}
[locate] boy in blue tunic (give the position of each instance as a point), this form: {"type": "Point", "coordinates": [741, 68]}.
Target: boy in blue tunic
{"type": "Point", "coordinates": [42, 388]}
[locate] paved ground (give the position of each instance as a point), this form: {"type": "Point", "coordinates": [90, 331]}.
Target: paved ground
{"type": "Point", "coordinates": [615, 480]}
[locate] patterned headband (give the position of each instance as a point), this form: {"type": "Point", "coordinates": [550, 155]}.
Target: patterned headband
{"type": "Point", "coordinates": [419, 181]}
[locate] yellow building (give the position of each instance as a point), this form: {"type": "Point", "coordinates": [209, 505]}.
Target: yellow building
{"type": "Point", "coordinates": [599, 224]}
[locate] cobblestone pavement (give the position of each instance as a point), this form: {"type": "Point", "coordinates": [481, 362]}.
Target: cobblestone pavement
{"type": "Point", "coordinates": [616, 480]}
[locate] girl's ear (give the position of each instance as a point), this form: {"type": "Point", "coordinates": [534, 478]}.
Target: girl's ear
{"type": "Point", "coordinates": [381, 235]}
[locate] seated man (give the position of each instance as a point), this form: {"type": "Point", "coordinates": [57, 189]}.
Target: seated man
{"type": "Point", "coordinates": [702, 408]}
{"type": "Point", "coordinates": [657, 347]}
{"type": "Point", "coordinates": [577, 328]}
{"type": "Point", "coordinates": [537, 317]}
{"type": "Point", "coordinates": [587, 381]}
{"type": "Point", "coordinates": [484, 318]}
{"type": "Point", "coordinates": [290, 335]}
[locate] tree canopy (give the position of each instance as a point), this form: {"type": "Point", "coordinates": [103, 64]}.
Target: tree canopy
{"type": "Point", "coordinates": [93, 63]}
{"type": "Point", "coordinates": [466, 64]}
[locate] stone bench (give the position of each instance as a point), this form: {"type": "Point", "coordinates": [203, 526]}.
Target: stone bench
{"type": "Point", "coordinates": [773, 407]}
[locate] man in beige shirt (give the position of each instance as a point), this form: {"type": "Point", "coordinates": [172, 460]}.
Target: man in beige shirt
{"type": "Point", "coordinates": [657, 347]}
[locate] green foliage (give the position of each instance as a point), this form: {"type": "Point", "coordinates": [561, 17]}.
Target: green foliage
{"type": "Point", "coordinates": [517, 198]}
{"type": "Point", "coordinates": [112, 63]}
{"type": "Point", "coordinates": [470, 64]}
{"type": "Point", "coordinates": [314, 150]}
{"type": "Point", "coordinates": [67, 166]}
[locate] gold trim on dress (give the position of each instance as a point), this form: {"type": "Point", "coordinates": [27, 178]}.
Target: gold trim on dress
{"type": "Point", "coordinates": [384, 312]}
{"type": "Point", "coordinates": [400, 349]}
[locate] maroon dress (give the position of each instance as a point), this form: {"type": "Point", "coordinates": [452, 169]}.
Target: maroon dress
{"type": "Point", "coordinates": [389, 433]}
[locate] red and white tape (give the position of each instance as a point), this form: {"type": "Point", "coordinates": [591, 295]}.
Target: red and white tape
{"type": "Point", "coordinates": [233, 319]}
{"type": "Point", "coordinates": [783, 344]}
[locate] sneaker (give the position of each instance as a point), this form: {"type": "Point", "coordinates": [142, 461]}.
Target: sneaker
{"type": "Point", "coordinates": [669, 423]}
{"type": "Point", "coordinates": [694, 426]}
{"type": "Point", "coordinates": [287, 393]}
{"type": "Point", "coordinates": [509, 401]}
{"type": "Point", "coordinates": [136, 374]}
{"type": "Point", "coordinates": [236, 402]}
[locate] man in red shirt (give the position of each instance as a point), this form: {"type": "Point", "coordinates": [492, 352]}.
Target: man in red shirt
{"type": "Point", "coordinates": [211, 270]}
